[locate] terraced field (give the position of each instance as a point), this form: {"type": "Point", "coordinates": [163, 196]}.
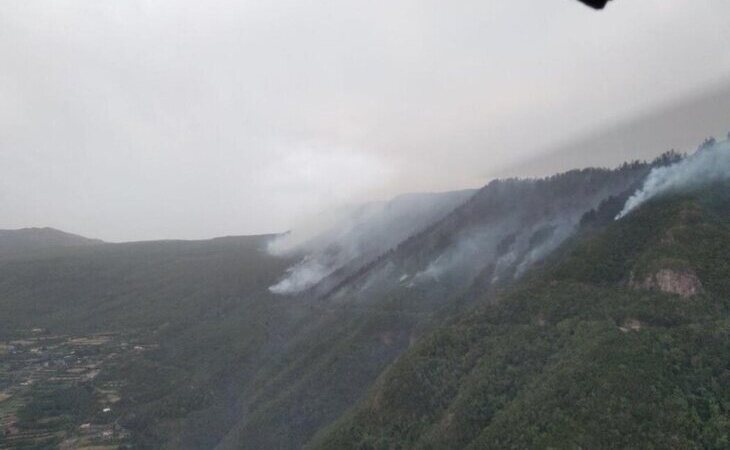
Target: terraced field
{"type": "Point", "coordinates": [51, 395]}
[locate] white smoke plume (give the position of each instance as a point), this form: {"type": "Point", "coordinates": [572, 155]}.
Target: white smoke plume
{"type": "Point", "coordinates": [709, 164]}
{"type": "Point", "coordinates": [560, 233]}
{"type": "Point", "coordinates": [301, 276]}
{"type": "Point", "coordinates": [506, 228]}
{"type": "Point", "coordinates": [467, 255]}
{"type": "Point", "coordinates": [356, 236]}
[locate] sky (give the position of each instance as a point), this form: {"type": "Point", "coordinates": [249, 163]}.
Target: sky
{"type": "Point", "coordinates": [147, 119]}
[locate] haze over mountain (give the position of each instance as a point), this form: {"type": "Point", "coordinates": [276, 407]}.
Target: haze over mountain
{"type": "Point", "coordinates": [31, 239]}
{"type": "Point", "coordinates": [478, 306]}
{"type": "Point", "coordinates": [180, 119]}
{"type": "Point", "coordinates": [677, 124]}
{"type": "Point", "coordinates": [619, 342]}
{"type": "Point", "coordinates": [357, 236]}
{"type": "Point", "coordinates": [556, 275]}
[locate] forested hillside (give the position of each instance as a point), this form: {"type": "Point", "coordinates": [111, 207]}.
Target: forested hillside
{"type": "Point", "coordinates": [134, 285]}
{"type": "Point", "coordinates": [486, 313]}
{"type": "Point", "coordinates": [587, 352]}
{"type": "Point", "coordinates": [368, 319]}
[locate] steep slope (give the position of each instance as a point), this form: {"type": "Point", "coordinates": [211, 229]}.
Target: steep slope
{"type": "Point", "coordinates": [578, 355]}
{"type": "Point", "coordinates": [368, 319]}
{"type": "Point", "coordinates": [358, 235]}
{"type": "Point", "coordinates": [230, 364]}
{"type": "Point", "coordinates": [27, 240]}
{"type": "Point", "coordinates": [498, 234]}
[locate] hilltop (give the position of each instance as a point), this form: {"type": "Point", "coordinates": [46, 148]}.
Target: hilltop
{"type": "Point", "coordinates": [32, 239]}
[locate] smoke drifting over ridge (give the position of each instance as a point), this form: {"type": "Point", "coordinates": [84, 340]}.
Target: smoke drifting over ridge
{"type": "Point", "coordinates": [493, 238]}
{"type": "Point", "coordinates": [357, 236]}
{"type": "Point", "coordinates": [709, 164]}
{"type": "Point", "coordinates": [497, 235]}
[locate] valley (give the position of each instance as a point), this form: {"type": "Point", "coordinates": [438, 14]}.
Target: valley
{"type": "Point", "coordinates": [52, 393]}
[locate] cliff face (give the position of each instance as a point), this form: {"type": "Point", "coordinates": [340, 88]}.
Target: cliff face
{"type": "Point", "coordinates": [681, 282]}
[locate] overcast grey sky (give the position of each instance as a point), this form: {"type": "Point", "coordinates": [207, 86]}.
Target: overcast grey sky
{"type": "Point", "coordinates": [124, 119]}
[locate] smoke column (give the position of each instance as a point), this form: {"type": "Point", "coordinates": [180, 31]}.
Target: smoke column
{"type": "Point", "coordinates": [709, 164]}
{"type": "Point", "coordinates": [360, 235]}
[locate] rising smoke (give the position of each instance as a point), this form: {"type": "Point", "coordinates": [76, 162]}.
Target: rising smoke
{"type": "Point", "coordinates": [505, 229]}
{"type": "Point", "coordinates": [501, 232]}
{"type": "Point", "coordinates": [357, 236]}
{"type": "Point", "coordinates": [709, 164]}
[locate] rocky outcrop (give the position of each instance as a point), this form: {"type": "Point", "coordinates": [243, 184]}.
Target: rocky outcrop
{"type": "Point", "coordinates": [683, 282]}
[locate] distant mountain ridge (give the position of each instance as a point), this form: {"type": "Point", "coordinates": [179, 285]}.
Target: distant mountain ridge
{"type": "Point", "coordinates": [32, 239]}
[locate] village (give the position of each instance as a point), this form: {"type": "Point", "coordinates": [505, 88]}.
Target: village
{"type": "Point", "coordinates": [51, 394]}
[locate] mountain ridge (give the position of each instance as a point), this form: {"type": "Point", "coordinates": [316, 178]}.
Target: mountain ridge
{"type": "Point", "coordinates": [40, 238]}
{"type": "Point", "coordinates": [474, 383]}
{"type": "Point", "coordinates": [231, 364]}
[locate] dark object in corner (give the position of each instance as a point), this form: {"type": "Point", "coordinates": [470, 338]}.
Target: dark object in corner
{"type": "Point", "coordinates": [598, 4]}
